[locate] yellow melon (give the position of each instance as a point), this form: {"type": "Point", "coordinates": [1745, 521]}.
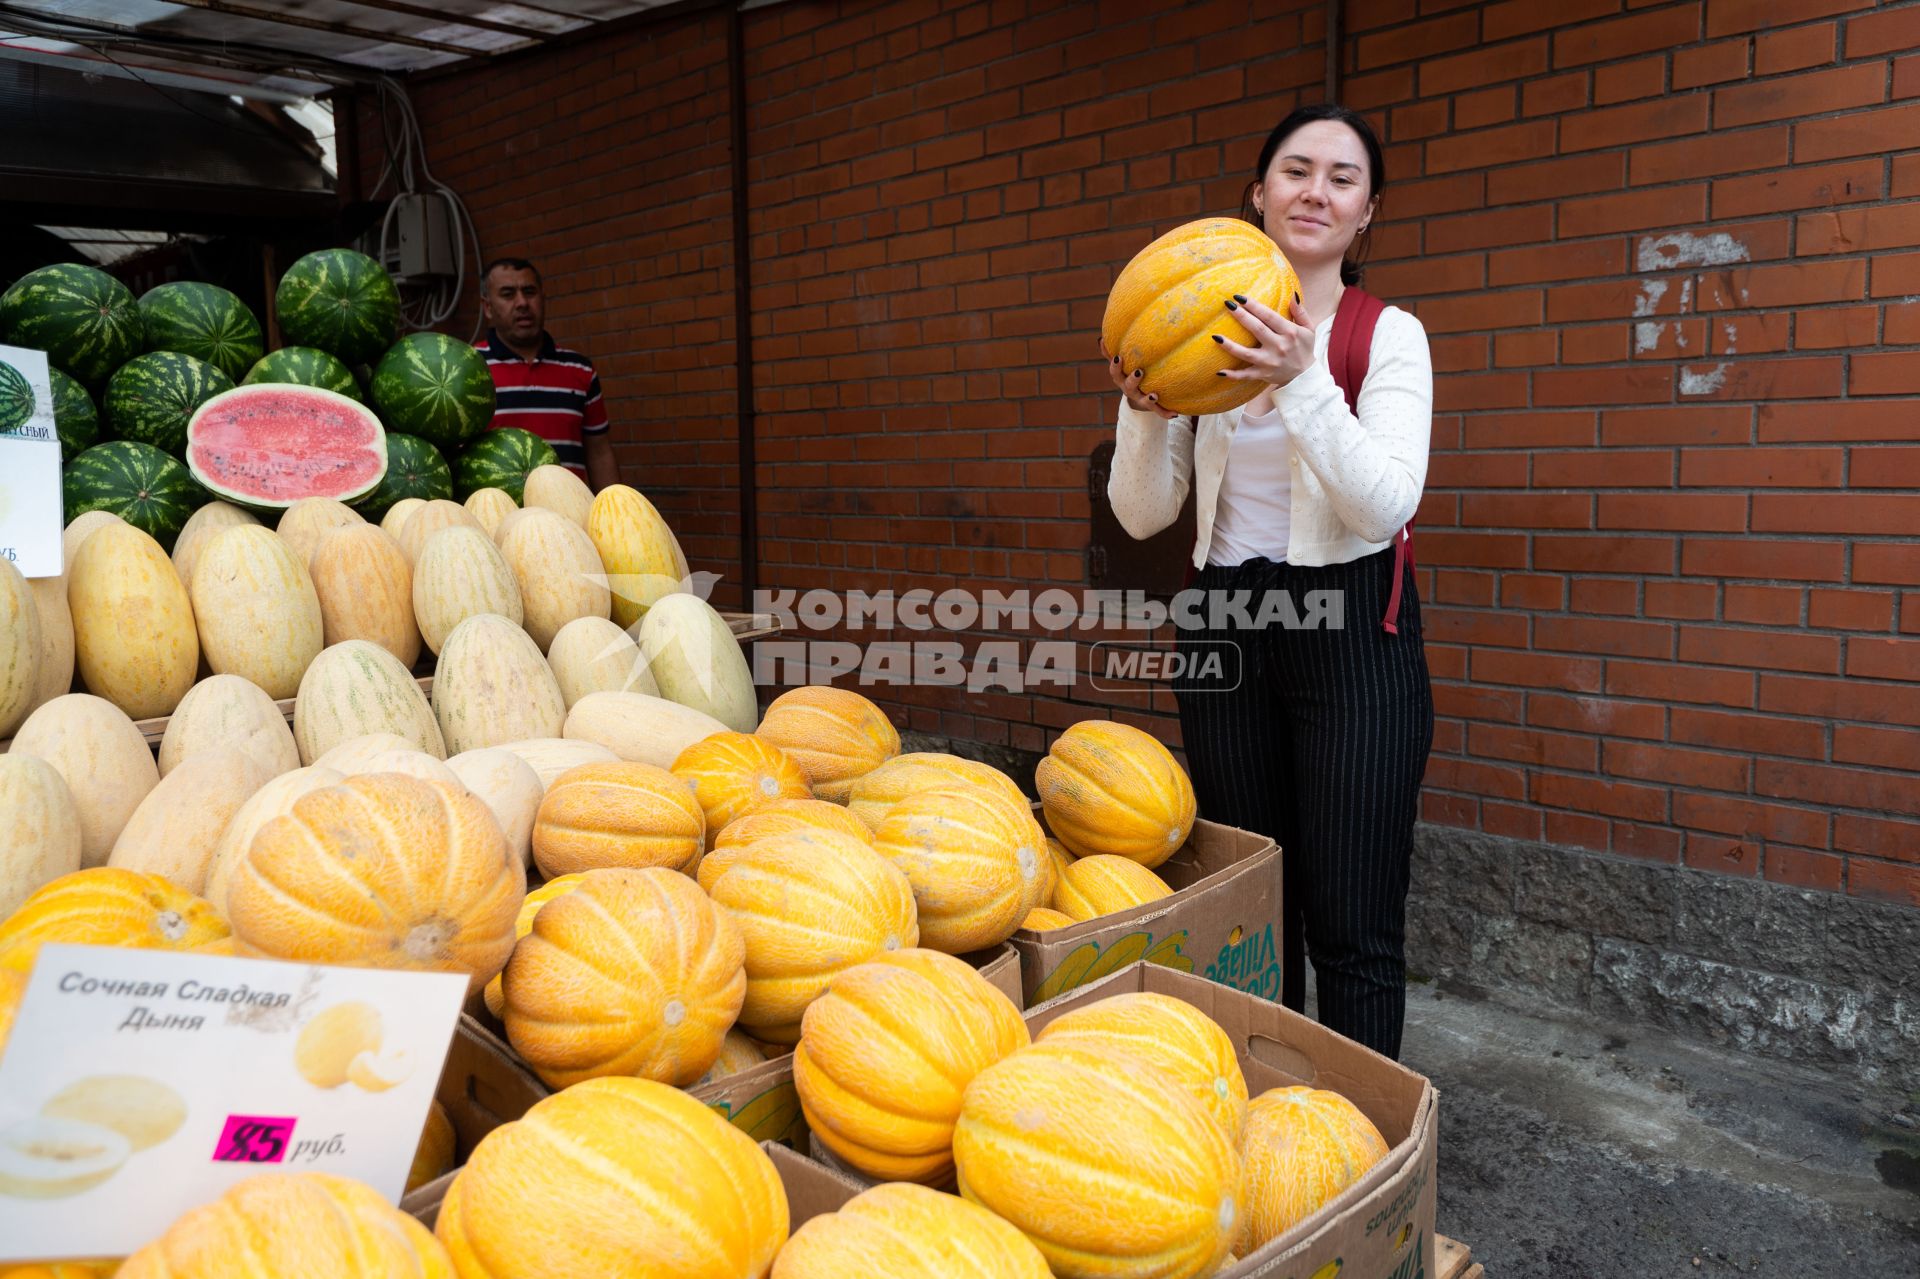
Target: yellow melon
{"type": "Point", "coordinates": [108, 906]}
{"type": "Point", "coordinates": [886, 1054]}
{"type": "Point", "coordinates": [824, 843]}
{"type": "Point", "coordinates": [737, 1053]}
{"type": "Point", "coordinates": [618, 1179]}
{"type": "Point", "coordinates": [783, 816]}
{"type": "Point", "coordinates": [459, 573]}
{"type": "Point", "coordinates": [103, 758]}
{"type": "Point", "coordinates": [380, 871]}
{"type": "Point", "coordinates": [1107, 787]}
{"type": "Point", "coordinates": [133, 634]}
{"type": "Point", "coordinates": [909, 1232]}
{"type": "Point", "coordinates": [834, 734]}
{"type": "Point", "coordinates": [21, 642]}
{"type": "Point", "coordinates": [977, 861]}
{"type": "Point", "coordinates": [303, 1223]}
{"type": "Point", "coordinates": [228, 710]}
{"type": "Point", "coordinates": [633, 972]}
{"type": "Point", "coordinates": [593, 655]}
{"type": "Point", "coordinates": [274, 799]}
{"type": "Point", "coordinates": [1113, 1171]}
{"type": "Point", "coordinates": [423, 521]}
{"type": "Point", "coordinates": [194, 534]}
{"type": "Point", "coordinates": [806, 917]}
{"type": "Point", "coordinates": [394, 522]}
{"type": "Point", "coordinates": [1302, 1146]}
{"type": "Point", "coordinates": [1044, 918]}
{"type": "Point", "coordinates": [494, 996]}
{"type": "Point", "coordinates": [1170, 1035]}
{"type": "Point", "coordinates": [56, 639]}
{"type": "Point", "coordinates": [434, 1155]}
{"type": "Point", "coordinates": [176, 830]}
{"type": "Point", "coordinates": [641, 556]}
{"type": "Point", "coordinates": [258, 615]}
{"type": "Point", "coordinates": [1168, 305]}
{"type": "Point", "coordinates": [490, 506]}
{"type": "Point", "coordinates": [871, 795]}
{"type": "Point", "coordinates": [365, 586]}
{"type": "Point", "coordinates": [1103, 884]}
{"type": "Point", "coordinates": [558, 571]}
{"type": "Point", "coordinates": [558, 489]}
{"type": "Point", "coordinates": [732, 774]}
{"type": "Point", "coordinates": [305, 524]}
{"type": "Point", "coordinates": [42, 825]}
{"type": "Point", "coordinates": [619, 814]}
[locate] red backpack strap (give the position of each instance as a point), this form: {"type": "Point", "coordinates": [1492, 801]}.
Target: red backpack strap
{"type": "Point", "coordinates": [1349, 352]}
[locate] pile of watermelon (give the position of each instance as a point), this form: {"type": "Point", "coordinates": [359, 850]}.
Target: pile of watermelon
{"type": "Point", "coordinates": [170, 400]}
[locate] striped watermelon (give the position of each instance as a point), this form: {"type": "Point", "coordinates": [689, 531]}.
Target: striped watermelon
{"type": "Point", "coordinates": [305, 366]}
{"type": "Point", "coordinates": [73, 415]}
{"type": "Point", "coordinates": [269, 445]}
{"type": "Point", "coordinates": [85, 320]}
{"type": "Point", "coordinates": [414, 469]}
{"type": "Point", "coordinates": [501, 459]}
{"type": "Point", "coordinates": [16, 399]}
{"type": "Point", "coordinates": [339, 301]}
{"type": "Point", "coordinates": [151, 397]}
{"type": "Point", "coordinates": [435, 387]}
{"type": "Point", "coordinates": [204, 321]}
{"type": "Point", "coordinates": [137, 482]}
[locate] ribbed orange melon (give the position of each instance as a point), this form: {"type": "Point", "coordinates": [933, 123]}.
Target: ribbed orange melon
{"type": "Point", "coordinates": [909, 1232]}
{"type": "Point", "coordinates": [301, 1223]}
{"type": "Point", "coordinates": [1302, 1146]}
{"type": "Point", "coordinates": [1170, 301]}
{"type": "Point", "coordinates": [871, 795]}
{"type": "Point", "coordinates": [1107, 787]}
{"type": "Point", "coordinates": [380, 871]}
{"type": "Point", "coordinates": [493, 996]}
{"type": "Point", "coordinates": [732, 774]}
{"type": "Point", "coordinates": [886, 1054]}
{"type": "Point", "coordinates": [1113, 1171]}
{"type": "Point", "coordinates": [634, 972]}
{"type": "Point", "coordinates": [619, 814]}
{"type": "Point", "coordinates": [1044, 919]}
{"type": "Point", "coordinates": [834, 734]}
{"type": "Point", "coordinates": [109, 906]}
{"type": "Point", "coordinates": [1061, 858]}
{"type": "Point", "coordinates": [1170, 1035]}
{"type": "Point", "coordinates": [1103, 884]}
{"type": "Point", "coordinates": [824, 843]}
{"type": "Point", "coordinates": [617, 1179]}
{"type": "Point", "coordinates": [977, 861]}
{"type": "Point", "coordinates": [808, 915]}
{"type": "Point", "coordinates": [784, 816]}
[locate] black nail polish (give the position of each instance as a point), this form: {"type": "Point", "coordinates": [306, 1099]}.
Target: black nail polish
{"type": "Point", "coordinates": [1218, 338]}
{"type": "Point", "coordinates": [1239, 297]}
{"type": "Point", "coordinates": [1219, 372]}
{"type": "Point", "coordinates": [1296, 297]}
{"type": "Point", "coordinates": [1232, 307]}
{"type": "Point", "coordinates": [1139, 372]}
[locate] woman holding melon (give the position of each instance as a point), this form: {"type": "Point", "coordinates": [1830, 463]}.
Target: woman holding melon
{"type": "Point", "coordinates": [1299, 410]}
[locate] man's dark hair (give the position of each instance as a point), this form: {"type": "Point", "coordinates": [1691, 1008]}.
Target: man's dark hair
{"type": "Point", "coordinates": [511, 264]}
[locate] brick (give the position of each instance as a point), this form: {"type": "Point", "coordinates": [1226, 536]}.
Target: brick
{"type": "Point", "coordinates": [1524, 17]}
{"type": "Point", "coordinates": [1643, 210]}
{"type": "Point", "coordinates": [1418, 120]}
{"type": "Point", "coordinates": [1527, 510]}
{"type": "Point", "coordinates": [1725, 17]}
{"type": "Point", "coordinates": [1666, 681]}
{"type": "Point", "coordinates": [1762, 650]}
{"type": "Point", "coordinates": [1897, 565]}
{"type": "Point", "coordinates": [1892, 31]}
{"type": "Point", "coordinates": [1853, 513]}
{"type": "Point", "coordinates": [1532, 670]}
{"type": "Point", "coordinates": [1622, 37]}
{"type": "Point", "coordinates": [1750, 819]}
{"type": "Point", "coordinates": [1805, 868]}
{"type": "Point", "coordinates": [1528, 746]}
{"type": "Point", "coordinates": [1626, 81]}
{"type": "Point", "coordinates": [1738, 151]}
{"type": "Point", "coordinates": [1694, 600]}
{"type": "Point", "coordinates": [1597, 344]}
{"type": "Point", "coordinates": [1763, 334]}
{"type": "Point", "coordinates": [1797, 188]}
{"type": "Point", "coordinates": [1530, 430]}
{"type": "Point", "coordinates": [1648, 843]}
{"type": "Point", "coordinates": [1485, 148]}
{"type": "Point", "coordinates": [1835, 327]}
{"type": "Point", "coordinates": [1524, 350]}
{"type": "Point", "coordinates": [1762, 468]}
{"type": "Point", "coordinates": [1610, 299]}
{"type": "Point", "coordinates": [1589, 795]}
{"type": "Point", "coordinates": [1762, 605]}
{"type": "Point", "coordinates": [1484, 108]}
{"type": "Point", "coordinates": [1860, 133]}
{"type": "Point", "coordinates": [1603, 637]}
{"type": "Point", "coordinates": [1497, 228]}
{"type": "Point", "coordinates": [1514, 821]}
{"type": "Point", "coordinates": [1840, 699]}
{"type": "Point", "coordinates": [1789, 97]}
{"type": "Point", "coordinates": [1886, 467]}
{"type": "Point", "coordinates": [1553, 179]}
{"type": "Point", "coordinates": [1694, 424]}
{"type": "Point", "coordinates": [1532, 590]}
{"type": "Point", "coordinates": [1676, 512]}
{"type": "Point", "coordinates": [1705, 770]}
{"type": "Point", "coordinates": [1554, 94]}
{"type": "Point", "coordinates": [1722, 856]}
{"type": "Point", "coordinates": [1883, 658]}
{"type": "Point", "coordinates": [1559, 387]}
{"type": "Point", "coordinates": [1796, 49]}
{"type": "Point", "coordinates": [1408, 41]}
{"type": "Point", "coordinates": [1483, 550]}
{"type": "Point", "coordinates": [1877, 748]}
{"type": "Point", "coordinates": [1579, 830]}
{"type": "Point", "coordinates": [1608, 468]}
{"type": "Point", "coordinates": [1449, 810]}
{"type": "Point", "coordinates": [1876, 837]}
{"type": "Point", "coordinates": [1874, 791]}
{"type": "Point", "coordinates": [1615, 595]}
{"type": "Point", "coordinates": [1845, 420]}
{"type": "Point", "coordinates": [1756, 734]}
{"type": "Point", "coordinates": [1882, 881]}
{"type": "Point", "coordinates": [1460, 626]}
{"type": "Point", "coordinates": [1475, 778]}
{"type": "Point", "coordinates": [1493, 64]}
{"type": "Point", "coordinates": [1599, 715]}
{"type": "Point", "coordinates": [1902, 326]}
{"type": "Point", "coordinates": [1594, 554]}
{"type": "Point", "coordinates": [1710, 64]}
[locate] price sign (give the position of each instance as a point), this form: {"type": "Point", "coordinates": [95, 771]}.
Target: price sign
{"type": "Point", "coordinates": [30, 514]}
{"type": "Point", "coordinates": [137, 1084]}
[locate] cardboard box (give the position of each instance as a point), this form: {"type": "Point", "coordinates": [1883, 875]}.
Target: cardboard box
{"type": "Point", "coordinates": [1381, 1227]}
{"type": "Point", "coordinates": [761, 1099]}
{"type": "Point", "coordinates": [482, 1086]}
{"type": "Point", "coordinates": [1222, 922]}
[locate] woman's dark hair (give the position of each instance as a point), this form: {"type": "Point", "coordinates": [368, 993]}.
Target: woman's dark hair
{"type": "Point", "coordinates": [1376, 167]}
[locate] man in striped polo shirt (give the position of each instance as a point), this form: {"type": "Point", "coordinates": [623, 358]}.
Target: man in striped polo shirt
{"type": "Point", "coordinates": [538, 385]}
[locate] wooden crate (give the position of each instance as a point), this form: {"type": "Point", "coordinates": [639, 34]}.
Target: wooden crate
{"type": "Point", "coordinates": [1454, 1260]}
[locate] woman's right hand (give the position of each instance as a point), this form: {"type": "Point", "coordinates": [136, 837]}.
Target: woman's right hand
{"type": "Point", "coordinates": [1129, 384]}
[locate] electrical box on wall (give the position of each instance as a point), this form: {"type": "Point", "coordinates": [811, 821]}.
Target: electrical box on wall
{"type": "Point", "coordinates": [420, 243]}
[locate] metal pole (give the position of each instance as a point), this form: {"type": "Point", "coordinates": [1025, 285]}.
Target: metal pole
{"type": "Point", "coordinates": [742, 311]}
{"type": "Point", "coordinates": [1333, 50]}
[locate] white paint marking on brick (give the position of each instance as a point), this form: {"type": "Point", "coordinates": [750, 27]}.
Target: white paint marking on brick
{"type": "Point", "coordinates": [1693, 382]}
{"type": "Point", "coordinates": [1730, 331]}
{"type": "Point", "coordinates": [1683, 248]}
{"type": "Point", "coordinates": [1646, 336]}
{"type": "Point", "coordinates": [1651, 291]}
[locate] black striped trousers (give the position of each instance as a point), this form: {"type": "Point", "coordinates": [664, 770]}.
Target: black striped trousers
{"type": "Point", "coordinates": [1322, 746]}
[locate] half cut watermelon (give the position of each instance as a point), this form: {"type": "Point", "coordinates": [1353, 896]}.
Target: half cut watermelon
{"type": "Point", "coordinates": [269, 445]}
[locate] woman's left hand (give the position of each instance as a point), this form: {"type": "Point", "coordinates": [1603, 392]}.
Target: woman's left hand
{"type": "Point", "coordinates": [1283, 347]}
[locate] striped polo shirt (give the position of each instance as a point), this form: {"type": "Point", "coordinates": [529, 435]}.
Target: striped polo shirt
{"type": "Point", "coordinates": [556, 395]}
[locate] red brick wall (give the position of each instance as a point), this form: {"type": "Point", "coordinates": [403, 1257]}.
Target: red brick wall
{"type": "Point", "coordinates": [1665, 252]}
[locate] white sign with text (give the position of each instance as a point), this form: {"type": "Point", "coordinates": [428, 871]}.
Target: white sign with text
{"type": "Point", "coordinates": [30, 512]}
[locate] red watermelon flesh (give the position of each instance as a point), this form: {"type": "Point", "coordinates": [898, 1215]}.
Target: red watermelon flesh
{"type": "Point", "coordinates": [271, 444]}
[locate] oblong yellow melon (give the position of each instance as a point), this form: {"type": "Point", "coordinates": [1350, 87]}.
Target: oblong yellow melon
{"type": "Point", "coordinates": [1043, 919]}
{"type": "Point", "coordinates": [558, 489]}
{"type": "Point", "coordinates": [229, 710]}
{"type": "Point", "coordinates": [906, 1231]}
{"type": "Point", "coordinates": [549, 757]}
{"type": "Point", "coordinates": [834, 734]}
{"type": "Point", "coordinates": [42, 825]}
{"type": "Point", "coordinates": [20, 648]}
{"type": "Point", "coordinates": [785, 816]}
{"type": "Point", "coordinates": [492, 686]}
{"type": "Point", "coordinates": [431, 517]}
{"type": "Point", "coordinates": [405, 759]}
{"type": "Point", "coordinates": [104, 760]}
{"type": "Point", "coordinates": [365, 586]}
{"type": "Point", "coordinates": [357, 687]}
{"type": "Point", "coordinates": [133, 628]}
{"type": "Point", "coordinates": [352, 756]}
{"type": "Point", "coordinates": [622, 814]}
{"type": "Point", "coordinates": [558, 571]}
{"type": "Point", "coordinates": [258, 615]}
{"type": "Point", "coordinates": [195, 533]}
{"type": "Point", "coordinates": [593, 655]}
{"type": "Point", "coordinates": [274, 799]}
{"type": "Point", "coordinates": [634, 972]}
{"type": "Point", "coordinates": [83, 526]}
{"type": "Point", "coordinates": [696, 661]}
{"type": "Point", "coordinates": [635, 726]}
{"type": "Point", "coordinates": [1302, 1146]}
{"type": "Point", "coordinates": [305, 524]}
{"type": "Point", "coordinates": [459, 574]}
{"type": "Point", "coordinates": [977, 861]}
{"type": "Point", "coordinates": [56, 639]}
{"type": "Point", "coordinates": [886, 1054]}
{"type": "Point", "coordinates": [177, 827]}
{"type": "Point", "coordinates": [872, 794]}
{"type": "Point", "coordinates": [606, 1179]}
{"type": "Point", "coordinates": [1108, 787]}
{"type": "Point", "coordinates": [490, 506]}
{"type": "Point", "coordinates": [394, 522]}
{"type": "Point", "coordinates": [1110, 1169]}
{"type": "Point", "coordinates": [737, 1053]}
{"type": "Point", "coordinates": [434, 1155]}
{"type": "Point", "coordinates": [509, 787]}
{"type": "Point", "coordinates": [1170, 1035]}
{"type": "Point", "coordinates": [642, 558]}
{"type": "Point", "coordinates": [1104, 884]}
